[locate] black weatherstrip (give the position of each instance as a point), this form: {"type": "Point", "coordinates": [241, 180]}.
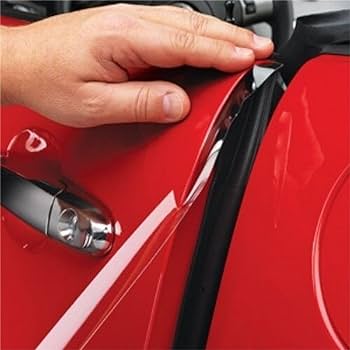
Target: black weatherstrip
{"type": "Point", "coordinates": [233, 168]}
{"type": "Point", "coordinates": [314, 35]}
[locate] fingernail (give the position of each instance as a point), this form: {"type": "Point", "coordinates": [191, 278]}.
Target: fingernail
{"type": "Point", "coordinates": [173, 106]}
{"type": "Point", "coordinates": [243, 52]}
{"type": "Point", "coordinates": [261, 41]}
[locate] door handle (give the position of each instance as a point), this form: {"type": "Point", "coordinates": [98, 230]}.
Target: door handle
{"type": "Point", "coordinates": [57, 213]}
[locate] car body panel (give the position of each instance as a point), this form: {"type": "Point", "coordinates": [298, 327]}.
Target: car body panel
{"type": "Point", "coordinates": [286, 281]}
{"type": "Point", "coordinates": [135, 171]}
{"type": "Point", "coordinates": [287, 276]}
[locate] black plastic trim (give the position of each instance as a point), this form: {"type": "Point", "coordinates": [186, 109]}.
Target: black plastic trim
{"type": "Point", "coordinates": [233, 169]}
{"type": "Point", "coordinates": [282, 21]}
{"type": "Point", "coordinates": [325, 33]}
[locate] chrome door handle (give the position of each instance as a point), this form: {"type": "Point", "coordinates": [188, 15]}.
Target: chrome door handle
{"type": "Point", "coordinates": [57, 213]}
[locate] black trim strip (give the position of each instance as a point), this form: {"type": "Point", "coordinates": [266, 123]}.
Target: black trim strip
{"type": "Point", "coordinates": [233, 169]}
{"type": "Point", "coordinates": [314, 35]}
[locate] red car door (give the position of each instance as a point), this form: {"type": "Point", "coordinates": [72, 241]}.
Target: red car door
{"type": "Point", "coordinates": [150, 179]}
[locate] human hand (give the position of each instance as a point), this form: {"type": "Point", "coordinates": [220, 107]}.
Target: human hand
{"type": "Point", "coordinates": [73, 68]}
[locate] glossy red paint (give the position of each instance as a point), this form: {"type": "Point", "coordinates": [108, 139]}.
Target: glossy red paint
{"type": "Point", "coordinates": [10, 21]}
{"type": "Point", "coordinates": [286, 280]}
{"type": "Point", "coordinates": [130, 169]}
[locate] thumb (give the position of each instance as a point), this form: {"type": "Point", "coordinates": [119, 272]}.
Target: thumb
{"type": "Point", "coordinates": [140, 102]}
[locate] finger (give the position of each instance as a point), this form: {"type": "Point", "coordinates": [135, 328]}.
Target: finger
{"type": "Point", "coordinates": [204, 25]}
{"type": "Point", "coordinates": [164, 46]}
{"type": "Point", "coordinates": [130, 102]}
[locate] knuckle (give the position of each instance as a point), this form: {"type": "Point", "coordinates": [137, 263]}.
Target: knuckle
{"type": "Point", "coordinates": [116, 23]}
{"type": "Point", "coordinates": [93, 103]}
{"type": "Point", "coordinates": [183, 40]}
{"type": "Point", "coordinates": [235, 30]}
{"type": "Point", "coordinates": [248, 34]}
{"type": "Point", "coordinates": [218, 50]}
{"type": "Point", "coordinates": [245, 34]}
{"type": "Point", "coordinates": [142, 105]}
{"type": "Point", "coordinates": [198, 23]}
{"type": "Point", "coordinates": [242, 34]}
{"type": "Point", "coordinates": [93, 107]}
{"type": "Point", "coordinates": [183, 11]}
{"type": "Point", "coordinates": [123, 7]}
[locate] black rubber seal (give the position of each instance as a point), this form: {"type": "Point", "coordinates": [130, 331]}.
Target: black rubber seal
{"type": "Point", "coordinates": [325, 33]}
{"type": "Point", "coordinates": [233, 169]}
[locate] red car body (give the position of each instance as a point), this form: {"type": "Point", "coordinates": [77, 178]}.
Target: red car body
{"type": "Point", "coordinates": [287, 275]}
{"type": "Point", "coordinates": [286, 280]}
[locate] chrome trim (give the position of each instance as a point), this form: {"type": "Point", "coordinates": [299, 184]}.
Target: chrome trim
{"type": "Point", "coordinates": [88, 230]}
{"type": "Point", "coordinates": [57, 213]}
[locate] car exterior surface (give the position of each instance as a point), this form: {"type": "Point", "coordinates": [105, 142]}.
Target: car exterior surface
{"type": "Point", "coordinates": [285, 266]}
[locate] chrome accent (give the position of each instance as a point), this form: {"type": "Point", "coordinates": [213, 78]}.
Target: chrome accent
{"type": "Point", "coordinates": [57, 213]}
{"type": "Point", "coordinates": [81, 226]}
{"type": "Point", "coordinates": [67, 224]}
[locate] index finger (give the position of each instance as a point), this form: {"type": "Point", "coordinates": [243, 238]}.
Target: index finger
{"type": "Point", "coordinates": [203, 25]}
{"type": "Point", "coordinates": [166, 46]}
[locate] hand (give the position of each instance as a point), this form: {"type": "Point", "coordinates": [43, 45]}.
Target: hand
{"type": "Point", "coordinates": [73, 68]}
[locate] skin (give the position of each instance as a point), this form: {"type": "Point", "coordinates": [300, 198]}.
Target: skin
{"type": "Point", "coordinates": [74, 68]}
